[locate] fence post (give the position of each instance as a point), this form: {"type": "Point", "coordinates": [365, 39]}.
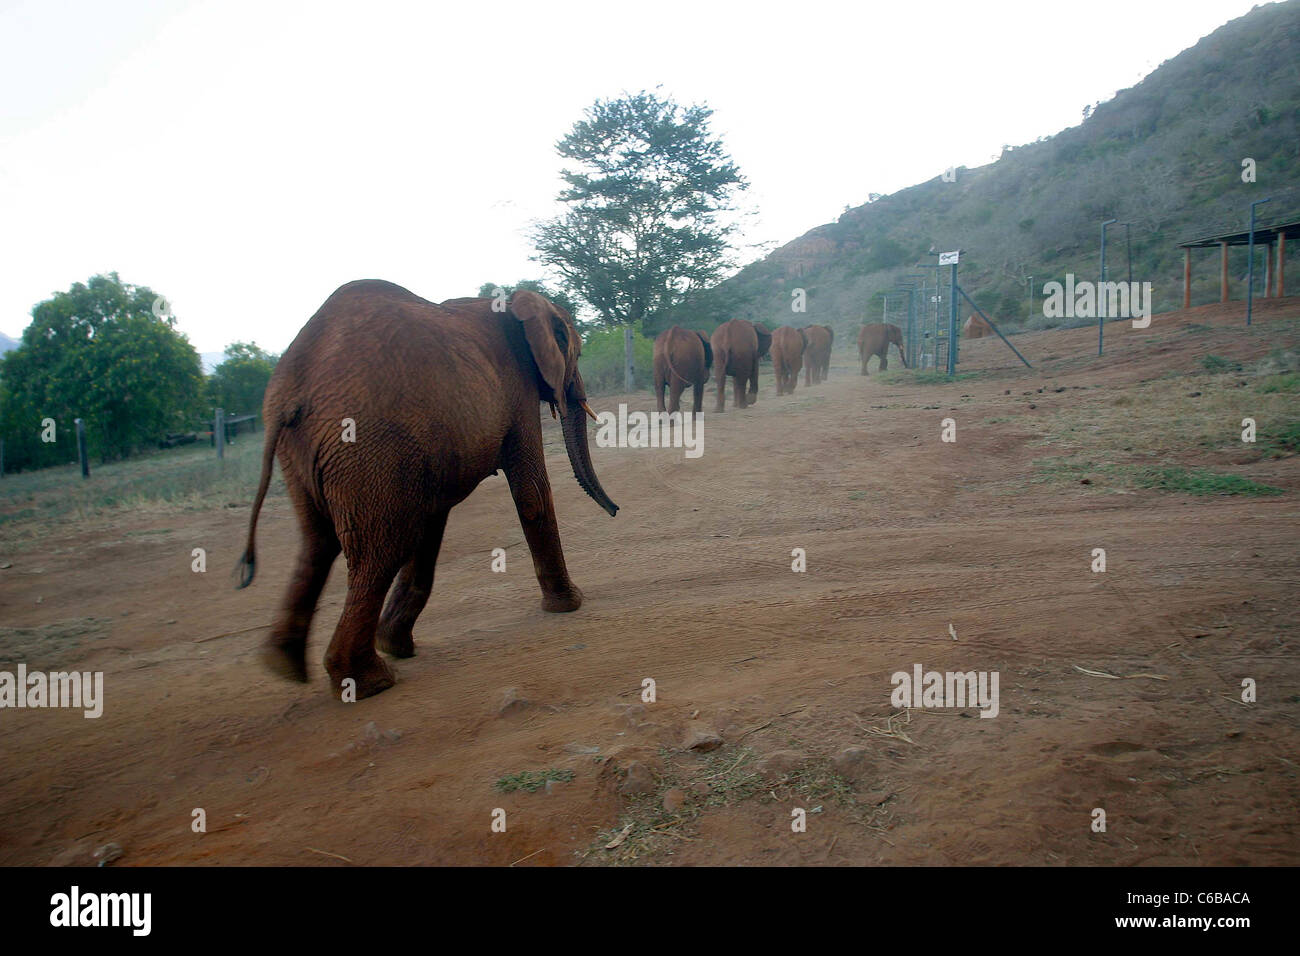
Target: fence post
{"type": "Point", "coordinates": [2, 457]}
{"type": "Point", "coordinates": [219, 431]}
{"type": "Point", "coordinates": [952, 323]}
{"type": "Point", "coordinates": [81, 448]}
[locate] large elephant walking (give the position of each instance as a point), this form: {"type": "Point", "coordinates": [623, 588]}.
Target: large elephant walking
{"type": "Point", "coordinates": [681, 358]}
{"type": "Point", "coordinates": [875, 339]}
{"type": "Point", "coordinates": [736, 353]}
{"type": "Point", "coordinates": [788, 344]}
{"type": "Point", "coordinates": [817, 357]}
{"type": "Point", "coordinates": [385, 412]}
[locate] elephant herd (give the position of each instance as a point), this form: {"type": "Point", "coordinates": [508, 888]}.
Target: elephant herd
{"type": "Point", "coordinates": [388, 410]}
{"type": "Point", "coordinates": [685, 358]}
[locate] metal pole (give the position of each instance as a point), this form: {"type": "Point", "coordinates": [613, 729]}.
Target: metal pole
{"type": "Point", "coordinates": [1250, 253]}
{"type": "Point", "coordinates": [219, 431]}
{"type": "Point", "coordinates": [952, 323]}
{"type": "Point", "coordinates": [81, 448]}
{"type": "Point", "coordinates": [1101, 312]}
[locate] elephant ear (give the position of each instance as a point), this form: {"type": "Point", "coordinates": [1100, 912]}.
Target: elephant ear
{"type": "Point", "coordinates": [538, 318]}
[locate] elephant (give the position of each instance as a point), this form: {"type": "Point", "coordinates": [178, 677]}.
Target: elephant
{"type": "Point", "coordinates": [875, 339]}
{"type": "Point", "coordinates": [681, 358]}
{"type": "Point", "coordinates": [788, 345]}
{"type": "Point", "coordinates": [817, 357]}
{"type": "Point", "coordinates": [975, 328]}
{"type": "Point", "coordinates": [736, 353]}
{"type": "Point", "coordinates": [764, 339]}
{"type": "Point", "coordinates": [386, 411]}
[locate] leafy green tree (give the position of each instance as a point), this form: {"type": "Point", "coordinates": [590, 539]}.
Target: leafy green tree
{"type": "Point", "coordinates": [104, 351]}
{"type": "Point", "coordinates": [646, 194]}
{"type": "Point", "coordinates": [238, 384]}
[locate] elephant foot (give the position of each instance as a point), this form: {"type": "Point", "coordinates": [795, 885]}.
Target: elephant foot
{"type": "Point", "coordinates": [561, 602]}
{"type": "Point", "coordinates": [371, 674]}
{"type": "Point", "coordinates": [395, 644]}
{"type": "Point", "coordinates": [287, 660]}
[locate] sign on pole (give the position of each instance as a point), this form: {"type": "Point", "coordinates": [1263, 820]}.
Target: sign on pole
{"type": "Point", "coordinates": [949, 258]}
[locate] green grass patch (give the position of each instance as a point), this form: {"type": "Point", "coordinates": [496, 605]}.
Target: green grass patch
{"type": "Point", "coordinates": [531, 781]}
{"type": "Point", "coordinates": [179, 478]}
{"type": "Point", "coordinates": [1200, 481]}
{"type": "Point", "coordinates": [1217, 363]}
{"type": "Point", "coordinates": [1286, 382]}
{"type": "Point", "coordinates": [904, 376]}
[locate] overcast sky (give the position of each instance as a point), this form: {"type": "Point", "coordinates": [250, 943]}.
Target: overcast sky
{"type": "Point", "coordinates": [245, 159]}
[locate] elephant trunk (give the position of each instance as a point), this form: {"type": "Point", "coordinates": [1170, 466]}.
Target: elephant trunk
{"type": "Point", "coordinates": [574, 426]}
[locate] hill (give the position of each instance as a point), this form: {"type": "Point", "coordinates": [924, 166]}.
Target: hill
{"type": "Point", "coordinates": [1164, 156]}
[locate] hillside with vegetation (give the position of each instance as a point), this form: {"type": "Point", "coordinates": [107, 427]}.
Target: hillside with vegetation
{"type": "Point", "coordinates": [1164, 156]}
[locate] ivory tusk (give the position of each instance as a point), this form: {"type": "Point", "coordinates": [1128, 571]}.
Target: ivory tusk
{"type": "Point", "coordinates": [587, 408]}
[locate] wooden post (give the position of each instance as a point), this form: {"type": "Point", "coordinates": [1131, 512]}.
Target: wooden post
{"type": "Point", "coordinates": [2, 457]}
{"type": "Point", "coordinates": [1223, 274]}
{"type": "Point", "coordinates": [1268, 270]}
{"type": "Point", "coordinates": [1281, 264]}
{"type": "Point", "coordinates": [219, 431]}
{"type": "Point", "coordinates": [1187, 278]}
{"type": "Point", "coordinates": [81, 448]}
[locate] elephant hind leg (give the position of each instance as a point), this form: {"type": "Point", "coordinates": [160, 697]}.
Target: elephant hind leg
{"type": "Point", "coordinates": [351, 654]}
{"type": "Point", "coordinates": [285, 652]}
{"type": "Point", "coordinates": [674, 396]}
{"type": "Point", "coordinates": [411, 593]}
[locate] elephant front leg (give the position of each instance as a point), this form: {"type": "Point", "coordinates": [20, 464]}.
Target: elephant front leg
{"type": "Point", "coordinates": [532, 493]}
{"type": "Point", "coordinates": [884, 361]}
{"type": "Point", "coordinates": [410, 594]}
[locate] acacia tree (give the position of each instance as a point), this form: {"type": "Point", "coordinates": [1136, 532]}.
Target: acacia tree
{"type": "Point", "coordinates": [646, 193]}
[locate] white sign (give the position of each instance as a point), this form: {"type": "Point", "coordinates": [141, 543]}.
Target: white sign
{"type": "Point", "coordinates": [949, 258]}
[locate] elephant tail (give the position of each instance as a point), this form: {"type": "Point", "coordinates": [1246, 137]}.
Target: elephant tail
{"type": "Point", "coordinates": [247, 565]}
{"type": "Point", "coordinates": [668, 356]}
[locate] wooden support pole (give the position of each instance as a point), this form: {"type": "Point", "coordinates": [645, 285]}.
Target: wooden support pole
{"type": "Point", "coordinates": [1187, 278]}
{"type": "Point", "coordinates": [1281, 264]}
{"type": "Point", "coordinates": [1268, 270]}
{"type": "Point", "coordinates": [1223, 273]}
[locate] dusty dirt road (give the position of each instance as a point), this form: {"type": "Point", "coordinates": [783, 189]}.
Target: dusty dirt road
{"type": "Point", "coordinates": [908, 540]}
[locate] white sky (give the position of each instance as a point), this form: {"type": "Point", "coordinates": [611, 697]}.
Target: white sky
{"type": "Point", "coordinates": [247, 158]}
